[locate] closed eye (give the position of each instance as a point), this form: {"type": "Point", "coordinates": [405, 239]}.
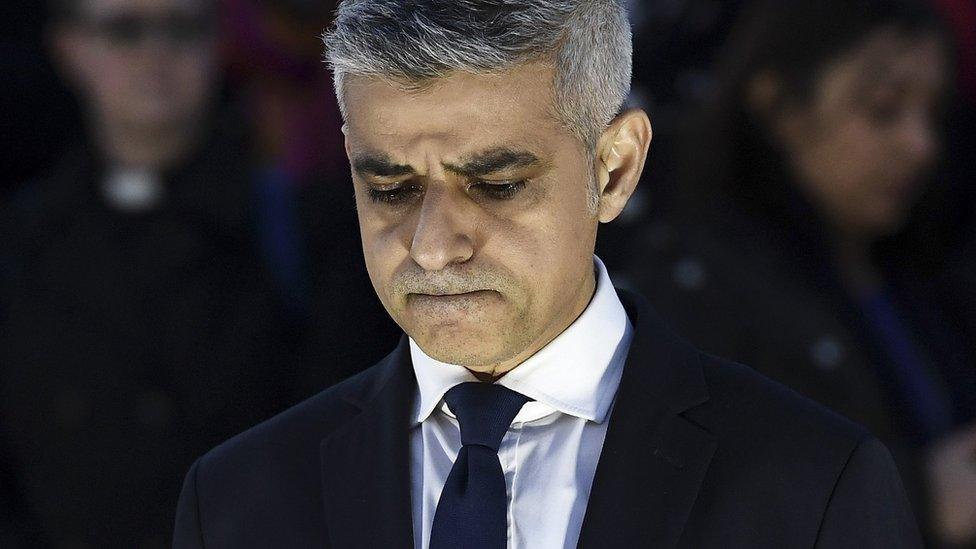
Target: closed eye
{"type": "Point", "coordinates": [499, 190]}
{"type": "Point", "coordinates": [394, 196]}
{"type": "Point", "coordinates": [406, 192]}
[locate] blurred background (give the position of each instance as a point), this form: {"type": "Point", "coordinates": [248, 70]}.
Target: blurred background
{"type": "Point", "coordinates": [179, 254]}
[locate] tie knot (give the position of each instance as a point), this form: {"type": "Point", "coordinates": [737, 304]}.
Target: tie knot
{"type": "Point", "coordinates": [484, 411]}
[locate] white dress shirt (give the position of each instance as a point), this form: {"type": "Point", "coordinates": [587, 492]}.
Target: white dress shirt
{"type": "Point", "coordinates": [550, 452]}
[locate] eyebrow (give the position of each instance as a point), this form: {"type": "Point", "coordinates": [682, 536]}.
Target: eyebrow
{"type": "Point", "coordinates": [380, 165]}
{"type": "Point", "coordinates": [477, 165]}
{"type": "Point", "coordinates": [493, 161]}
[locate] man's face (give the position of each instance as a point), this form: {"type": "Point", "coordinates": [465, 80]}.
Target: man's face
{"type": "Point", "coordinates": [142, 63]}
{"type": "Point", "coordinates": [473, 206]}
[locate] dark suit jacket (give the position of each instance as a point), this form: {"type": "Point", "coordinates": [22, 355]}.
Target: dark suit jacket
{"type": "Point", "coordinates": [699, 453]}
{"type": "Point", "coordinates": [739, 289]}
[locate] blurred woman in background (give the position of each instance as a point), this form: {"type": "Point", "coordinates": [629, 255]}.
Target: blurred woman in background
{"type": "Point", "coordinates": [804, 166]}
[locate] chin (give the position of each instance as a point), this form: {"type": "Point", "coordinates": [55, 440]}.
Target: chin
{"type": "Point", "coordinates": [475, 349]}
{"type": "Point", "coordinates": [474, 361]}
{"type": "Point", "coordinates": [456, 346]}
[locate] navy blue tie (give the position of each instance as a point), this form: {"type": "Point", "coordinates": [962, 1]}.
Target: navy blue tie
{"type": "Point", "coordinates": [471, 512]}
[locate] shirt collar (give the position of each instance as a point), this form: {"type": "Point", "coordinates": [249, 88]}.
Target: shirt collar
{"type": "Point", "coordinates": [577, 373]}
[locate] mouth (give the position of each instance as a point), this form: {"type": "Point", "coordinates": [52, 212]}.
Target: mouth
{"type": "Point", "coordinates": [452, 303]}
{"type": "Point", "coordinates": [465, 310]}
{"type": "Point", "coordinates": [472, 293]}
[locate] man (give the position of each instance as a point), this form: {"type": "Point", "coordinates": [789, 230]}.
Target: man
{"type": "Point", "coordinates": [139, 326]}
{"type": "Point", "coordinates": [529, 404]}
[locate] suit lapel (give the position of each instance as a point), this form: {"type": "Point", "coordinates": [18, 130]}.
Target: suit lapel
{"type": "Point", "coordinates": [366, 463]}
{"type": "Point", "coordinates": [653, 460]}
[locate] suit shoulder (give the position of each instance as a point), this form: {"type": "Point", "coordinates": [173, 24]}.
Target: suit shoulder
{"type": "Point", "coordinates": [744, 403]}
{"type": "Point", "coordinates": [262, 482]}
{"type": "Point", "coordinates": [292, 437]}
{"type": "Point", "coordinates": [819, 478]}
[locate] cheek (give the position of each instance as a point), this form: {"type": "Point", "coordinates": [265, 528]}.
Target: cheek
{"type": "Point", "coordinates": [551, 249]}
{"type": "Point", "coordinates": [861, 149]}
{"type": "Point", "coordinates": [105, 77]}
{"type": "Point", "coordinates": [383, 251]}
{"type": "Point", "coordinates": [845, 162]}
{"type": "Point", "coordinates": [573, 225]}
{"type": "Point", "coordinates": [196, 73]}
{"type": "Point", "coordinates": [850, 174]}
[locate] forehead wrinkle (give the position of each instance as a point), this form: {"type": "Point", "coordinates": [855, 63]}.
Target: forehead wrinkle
{"type": "Point", "coordinates": [447, 139]}
{"type": "Point", "coordinates": [375, 156]}
{"type": "Point", "coordinates": [434, 169]}
{"type": "Point", "coordinates": [423, 152]}
{"type": "Point", "coordinates": [410, 123]}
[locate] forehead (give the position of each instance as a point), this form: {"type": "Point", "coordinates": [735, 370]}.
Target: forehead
{"type": "Point", "coordinates": [888, 59]}
{"type": "Point", "coordinates": [454, 115]}
{"type": "Point", "coordinates": [905, 56]}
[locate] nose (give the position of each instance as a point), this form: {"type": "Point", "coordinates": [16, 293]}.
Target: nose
{"type": "Point", "coordinates": [444, 232]}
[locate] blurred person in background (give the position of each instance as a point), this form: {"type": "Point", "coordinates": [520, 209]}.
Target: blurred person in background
{"type": "Point", "coordinates": [140, 324]}
{"type": "Point", "coordinates": [273, 52]}
{"type": "Point", "coordinates": [810, 157]}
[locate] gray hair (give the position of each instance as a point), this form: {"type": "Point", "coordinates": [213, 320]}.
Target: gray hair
{"type": "Point", "coordinates": [415, 42]}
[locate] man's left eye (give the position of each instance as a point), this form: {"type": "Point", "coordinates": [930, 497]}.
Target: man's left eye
{"type": "Point", "coordinates": [499, 190]}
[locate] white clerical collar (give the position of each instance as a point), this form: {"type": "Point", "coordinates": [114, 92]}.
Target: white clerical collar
{"type": "Point", "coordinates": [132, 190]}
{"type": "Point", "coordinates": [577, 373]}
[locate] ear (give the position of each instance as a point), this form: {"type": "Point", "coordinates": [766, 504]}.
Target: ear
{"type": "Point", "coordinates": [621, 154]}
{"type": "Point", "coordinates": [69, 51]}
{"type": "Point", "coordinates": [764, 95]}
{"type": "Point", "coordinates": [780, 117]}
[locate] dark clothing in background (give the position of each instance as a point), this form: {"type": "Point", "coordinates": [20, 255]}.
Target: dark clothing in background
{"type": "Point", "coordinates": [699, 453]}
{"type": "Point", "coordinates": [956, 285]}
{"type": "Point", "coordinates": [130, 343]}
{"type": "Point", "coordinates": [348, 328]}
{"type": "Point", "coordinates": [749, 277]}
{"type": "Point", "coordinates": [15, 523]}
{"type": "Point", "coordinates": [39, 116]}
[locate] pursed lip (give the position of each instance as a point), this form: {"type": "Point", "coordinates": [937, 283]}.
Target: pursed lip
{"type": "Point", "coordinates": [448, 294]}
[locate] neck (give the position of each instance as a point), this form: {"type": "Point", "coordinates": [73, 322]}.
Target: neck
{"type": "Point", "coordinates": [150, 147]}
{"type": "Point", "coordinates": [850, 245]}
{"type": "Point", "coordinates": [858, 271]}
